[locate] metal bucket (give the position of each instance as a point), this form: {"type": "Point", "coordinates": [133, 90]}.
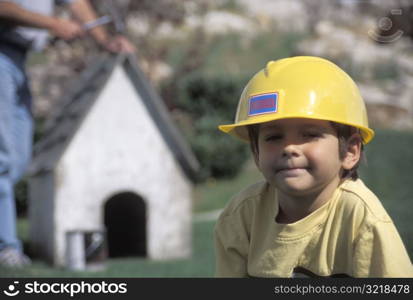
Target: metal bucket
{"type": "Point", "coordinates": [85, 250]}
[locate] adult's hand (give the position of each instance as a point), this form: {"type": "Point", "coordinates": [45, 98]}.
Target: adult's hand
{"type": "Point", "coordinates": [66, 29]}
{"type": "Point", "coordinates": [119, 44]}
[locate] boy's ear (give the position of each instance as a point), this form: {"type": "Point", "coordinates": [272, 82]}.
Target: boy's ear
{"type": "Point", "coordinates": [353, 152]}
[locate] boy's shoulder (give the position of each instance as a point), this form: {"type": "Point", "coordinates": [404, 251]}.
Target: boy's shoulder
{"type": "Point", "coordinates": [248, 196]}
{"type": "Point", "coordinates": [357, 196]}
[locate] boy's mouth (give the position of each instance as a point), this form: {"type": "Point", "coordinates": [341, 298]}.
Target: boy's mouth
{"type": "Point", "coordinates": [290, 169]}
{"type": "Point", "coordinates": [286, 168]}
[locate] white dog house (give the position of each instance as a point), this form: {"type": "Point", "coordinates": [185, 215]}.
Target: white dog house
{"type": "Point", "coordinates": [112, 161]}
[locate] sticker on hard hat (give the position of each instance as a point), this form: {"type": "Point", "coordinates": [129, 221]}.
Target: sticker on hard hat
{"type": "Point", "coordinates": [263, 104]}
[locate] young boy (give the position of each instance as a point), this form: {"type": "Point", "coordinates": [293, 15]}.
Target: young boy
{"type": "Point", "coordinates": [306, 123]}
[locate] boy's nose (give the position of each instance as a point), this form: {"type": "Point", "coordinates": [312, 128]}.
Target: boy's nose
{"type": "Point", "coordinates": [291, 149]}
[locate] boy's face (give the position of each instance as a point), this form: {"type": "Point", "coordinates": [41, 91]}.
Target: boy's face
{"type": "Point", "coordinates": [299, 156]}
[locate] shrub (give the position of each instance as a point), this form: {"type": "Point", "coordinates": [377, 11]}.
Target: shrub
{"type": "Point", "coordinates": [210, 101]}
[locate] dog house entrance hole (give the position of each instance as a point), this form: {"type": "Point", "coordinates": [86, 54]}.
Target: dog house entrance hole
{"type": "Point", "coordinates": [125, 222]}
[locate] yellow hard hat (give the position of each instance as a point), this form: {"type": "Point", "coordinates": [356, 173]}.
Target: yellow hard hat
{"type": "Point", "coordinates": [300, 87]}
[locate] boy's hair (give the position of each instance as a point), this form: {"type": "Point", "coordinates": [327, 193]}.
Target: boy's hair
{"type": "Point", "coordinates": [344, 132]}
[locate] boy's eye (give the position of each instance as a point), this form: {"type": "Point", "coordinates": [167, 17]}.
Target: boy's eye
{"type": "Point", "coordinates": [312, 134]}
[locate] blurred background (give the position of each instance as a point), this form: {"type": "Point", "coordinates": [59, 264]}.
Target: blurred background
{"type": "Point", "coordinates": [200, 53]}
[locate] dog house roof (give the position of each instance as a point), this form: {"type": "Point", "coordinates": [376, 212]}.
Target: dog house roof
{"type": "Point", "coordinates": [64, 123]}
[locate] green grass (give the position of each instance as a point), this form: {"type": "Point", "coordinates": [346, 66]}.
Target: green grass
{"type": "Point", "coordinates": [389, 174]}
{"type": "Point", "coordinates": [201, 264]}
{"type": "Point", "coordinates": [209, 196]}
{"type": "Point", "coordinates": [214, 194]}
{"type": "Point", "coordinates": [234, 54]}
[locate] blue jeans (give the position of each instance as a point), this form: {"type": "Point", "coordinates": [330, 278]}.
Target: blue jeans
{"type": "Point", "coordinates": [16, 127]}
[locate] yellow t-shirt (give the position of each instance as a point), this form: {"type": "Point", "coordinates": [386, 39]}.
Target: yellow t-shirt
{"type": "Point", "coordinates": [350, 235]}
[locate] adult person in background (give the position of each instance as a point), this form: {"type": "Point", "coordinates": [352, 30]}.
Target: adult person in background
{"type": "Point", "coordinates": [25, 25]}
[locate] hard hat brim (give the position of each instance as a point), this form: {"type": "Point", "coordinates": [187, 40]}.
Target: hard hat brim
{"type": "Point", "coordinates": [240, 131]}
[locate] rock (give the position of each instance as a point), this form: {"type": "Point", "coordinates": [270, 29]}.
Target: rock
{"type": "Point", "coordinates": [287, 15]}
{"type": "Point", "coordinates": [221, 22]}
